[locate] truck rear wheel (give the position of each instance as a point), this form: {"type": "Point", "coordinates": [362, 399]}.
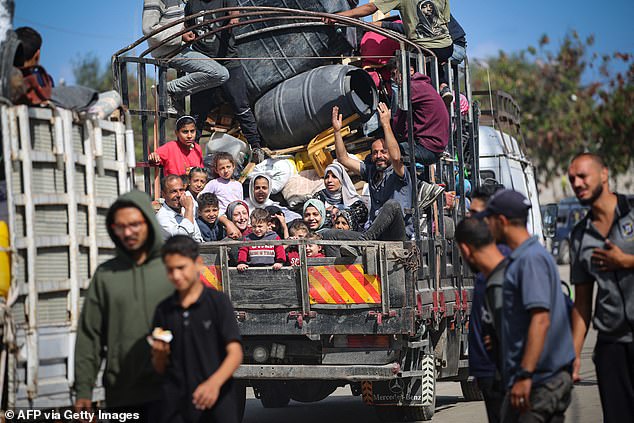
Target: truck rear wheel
{"type": "Point", "coordinates": [274, 395]}
{"type": "Point", "coordinates": [241, 397]}
{"type": "Point", "coordinates": [470, 390]}
{"type": "Point", "coordinates": [310, 391]}
{"type": "Point", "coordinates": [394, 413]}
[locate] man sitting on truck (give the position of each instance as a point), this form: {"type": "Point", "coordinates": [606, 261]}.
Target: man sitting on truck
{"type": "Point", "coordinates": [390, 186]}
{"type": "Point", "coordinates": [170, 216]}
{"type": "Point", "coordinates": [222, 45]}
{"type": "Point", "coordinates": [202, 72]}
{"type": "Point", "coordinates": [430, 116]}
{"type": "Point", "coordinates": [117, 313]}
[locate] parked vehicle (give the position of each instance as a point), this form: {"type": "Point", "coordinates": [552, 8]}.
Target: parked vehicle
{"type": "Point", "coordinates": [502, 156]}
{"type": "Point", "coordinates": [568, 213]}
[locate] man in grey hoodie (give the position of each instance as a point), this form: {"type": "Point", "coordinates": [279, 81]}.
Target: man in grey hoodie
{"type": "Point", "coordinates": [118, 311]}
{"type": "Point", "coordinates": [202, 72]}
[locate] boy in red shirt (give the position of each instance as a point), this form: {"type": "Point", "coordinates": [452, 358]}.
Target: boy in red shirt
{"type": "Point", "coordinates": [178, 156]}
{"type": "Point", "coordinates": [296, 230]}
{"type": "Point", "coordinates": [261, 255]}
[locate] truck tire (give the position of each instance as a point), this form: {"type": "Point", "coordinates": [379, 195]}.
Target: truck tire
{"type": "Point", "coordinates": [274, 395]}
{"type": "Point", "coordinates": [393, 413]}
{"type": "Point", "coordinates": [310, 391]}
{"type": "Point", "coordinates": [420, 412]}
{"type": "Point", "coordinates": [241, 396]}
{"type": "Point", "coordinates": [470, 390]}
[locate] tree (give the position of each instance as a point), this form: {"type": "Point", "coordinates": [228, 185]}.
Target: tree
{"type": "Point", "coordinates": [89, 72]}
{"type": "Point", "coordinates": [563, 113]}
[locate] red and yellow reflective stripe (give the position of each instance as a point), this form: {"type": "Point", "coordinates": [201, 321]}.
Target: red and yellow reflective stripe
{"type": "Point", "coordinates": [343, 284]}
{"type": "Point", "coordinates": [211, 276]}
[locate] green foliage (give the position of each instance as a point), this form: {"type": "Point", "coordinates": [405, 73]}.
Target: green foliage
{"type": "Point", "coordinates": [562, 112]}
{"type": "Point", "coordinates": [89, 72]}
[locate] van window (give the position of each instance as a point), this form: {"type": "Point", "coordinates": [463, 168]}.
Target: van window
{"type": "Point", "coordinates": [487, 175]}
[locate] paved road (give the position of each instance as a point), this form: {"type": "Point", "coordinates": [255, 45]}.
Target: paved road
{"type": "Point", "coordinates": [342, 407]}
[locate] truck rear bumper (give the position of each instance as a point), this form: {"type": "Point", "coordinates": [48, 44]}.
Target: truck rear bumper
{"type": "Point", "coordinates": [354, 373]}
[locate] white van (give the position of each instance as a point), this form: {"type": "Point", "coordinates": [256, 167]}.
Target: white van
{"type": "Point", "coordinates": [502, 160]}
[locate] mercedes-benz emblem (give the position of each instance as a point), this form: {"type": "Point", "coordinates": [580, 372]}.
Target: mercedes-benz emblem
{"type": "Point", "coordinates": [396, 386]}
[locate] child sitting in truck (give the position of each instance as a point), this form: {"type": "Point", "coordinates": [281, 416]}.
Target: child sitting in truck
{"type": "Point", "coordinates": [197, 179]}
{"type": "Point", "coordinates": [314, 250]}
{"type": "Point", "coordinates": [207, 219]}
{"type": "Point", "coordinates": [226, 188]}
{"type": "Point", "coordinates": [178, 156]}
{"type": "Point", "coordinates": [296, 230]}
{"type": "Point", "coordinates": [261, 255]}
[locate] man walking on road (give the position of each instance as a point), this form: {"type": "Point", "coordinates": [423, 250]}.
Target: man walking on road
{"type": "Point", "coordinates": [118, 311]}
{"type": "Point", "coordinates": [602, 247]}
{"type": "Point", "coordinates": [478, 248]}
{"type": "Point", "coordinates": [537, 345]}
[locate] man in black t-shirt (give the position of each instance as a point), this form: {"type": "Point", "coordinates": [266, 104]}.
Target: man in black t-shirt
{"type": "Point", "coordinates": [205, 348]}
{"type": "Point", "coordinates": [222, 45]}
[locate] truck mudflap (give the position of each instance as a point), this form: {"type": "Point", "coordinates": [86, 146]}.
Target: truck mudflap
{"type": "Point", "coordinates": [407, 391]}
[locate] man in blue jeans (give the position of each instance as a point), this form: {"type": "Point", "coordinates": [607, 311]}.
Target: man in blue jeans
{"type": "Point", "coordinates": [222, 45]}
{"type": "Point", "coordinates": [202, 72]}
{"type": "Point", "coordinates": [537, 347]}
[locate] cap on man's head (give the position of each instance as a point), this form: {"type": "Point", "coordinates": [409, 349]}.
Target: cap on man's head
{"type": "Point", "coordinates": [508, 203]}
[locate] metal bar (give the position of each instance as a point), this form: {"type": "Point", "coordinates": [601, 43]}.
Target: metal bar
{"type": "Point", "coordinates": [123, 83]}
{"type": "Point", "coordinates": [407, 101]}
{"type": "Point", "coordinates": [142, 77]}
{"type": "Point", "coordinates": [9, 131]}
{"type": "Point", "coordinates": [385, 282]}
{"type": "Point", "coordinates": [323, 372]}
{"type": "Point", "coordinates": [475, 134]}
{"type": "Point", "coordinates": [162, 94]}
{"type": "Point", "coordinates": [224, 271]}
{"type": "Point", "coordinates": [90, 194]}
{"type": "Point", "coordinates": [303, 279]}
{"type": "Point", "coordinates": [73, 247]}
{"type": "Point", "coordinates": [274, 13]}
{"type": "Point", "coordinates": [459, 145]}
{"type": "Point", "coordinates": [122, 171]}
{"type": "Point", "coordinates": [32, 352]}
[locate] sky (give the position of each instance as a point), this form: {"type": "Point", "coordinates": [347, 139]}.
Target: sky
{"type": "Point", "coordinates": [72, 28]}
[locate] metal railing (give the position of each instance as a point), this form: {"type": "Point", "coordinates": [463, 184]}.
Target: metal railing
{"type": "Point", "coordinates": [423, 60]}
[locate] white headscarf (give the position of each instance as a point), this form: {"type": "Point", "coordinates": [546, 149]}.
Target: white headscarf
{"type": "Point", "coordinates": [288, 214]}
{"type": "Point", "coordinates": [349, 194]}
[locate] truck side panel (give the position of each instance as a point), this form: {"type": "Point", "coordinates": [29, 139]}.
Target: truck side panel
{"type": "Point", "coordinates": [60, 192]}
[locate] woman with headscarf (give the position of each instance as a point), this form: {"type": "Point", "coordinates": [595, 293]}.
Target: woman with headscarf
{"type": "Point", "coordinates": [260, 196]}
{"type": "Point", "coordinates": [340, 194]}
{"type": "Point", "coordinates": [315, 215]}
{"type": "Point", "coordinates": [238, 213]}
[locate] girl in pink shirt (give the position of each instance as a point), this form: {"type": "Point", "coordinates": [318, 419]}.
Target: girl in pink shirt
{"type": "Point", "coordinates": [226, 188]}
